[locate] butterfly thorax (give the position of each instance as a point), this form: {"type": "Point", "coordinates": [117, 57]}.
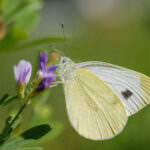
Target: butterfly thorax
{"type": "Point", "coordinates": [67, 68]}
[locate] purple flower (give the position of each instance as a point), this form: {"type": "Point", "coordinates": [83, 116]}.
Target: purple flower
{"type": "Point", "coordinates": [22, 72]}
{"type": "Point", "coordinates": [42, 60]}
{"type": "Point", "coordinates": [45, 73]}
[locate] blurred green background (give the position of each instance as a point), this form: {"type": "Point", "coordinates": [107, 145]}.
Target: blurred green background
{"type": "Point", "coordinates": [113, 31]}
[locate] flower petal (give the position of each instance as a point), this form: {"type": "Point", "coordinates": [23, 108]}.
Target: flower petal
{"type": "Point", "coordinates": [46, 82]}
{"type": "Point", "coordinates": [16, 73]}
{"type": "Point", "coordinates": [23, 72]}
{"type": "Point", "coordinates": [28, 72]}
{"type": "Point", "coordinates": [51, 68]}
{"type": "Point", "coordinates": [51, 78]}
{"type": "Point", "coordinates": [42, 60]}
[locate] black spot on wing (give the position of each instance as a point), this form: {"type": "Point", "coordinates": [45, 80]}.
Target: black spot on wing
{"type": "Point", "coordinates": [126, 94]}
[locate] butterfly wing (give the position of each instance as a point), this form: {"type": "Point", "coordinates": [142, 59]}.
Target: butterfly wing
{"type": "Point", "coordinates": [131, 87]}
{"type": "Point", "coordinates": [94, 110]}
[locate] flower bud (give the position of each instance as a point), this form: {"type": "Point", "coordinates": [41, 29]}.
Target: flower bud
{"type": "Point", "coordinates": [53, 57]}
{"type": "Point", "coordinates": [22, 73]}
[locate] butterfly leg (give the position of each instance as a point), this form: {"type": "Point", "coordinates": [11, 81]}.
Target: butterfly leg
{"type": "Point", "coordinates": [56, 83]}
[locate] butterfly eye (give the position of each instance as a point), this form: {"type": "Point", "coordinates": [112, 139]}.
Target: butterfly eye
{"type": "Point", "coordinates": [64, 61]}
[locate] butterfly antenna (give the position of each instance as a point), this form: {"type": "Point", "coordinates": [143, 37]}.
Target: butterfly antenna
{"type": "Point", "coordinates": [64, 35]}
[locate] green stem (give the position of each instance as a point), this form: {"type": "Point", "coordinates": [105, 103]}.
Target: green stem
{"type": "Point", "coordinates": [8, 129]}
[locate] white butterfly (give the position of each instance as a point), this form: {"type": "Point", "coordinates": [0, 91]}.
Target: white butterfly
{"type": "Point", "coordinates": [100, 96]}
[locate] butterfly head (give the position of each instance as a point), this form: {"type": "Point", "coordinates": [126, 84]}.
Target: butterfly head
{"type": "Point", "coordinates": [66, 68]}
{"type": "Point", "coordinates": [64, 60]}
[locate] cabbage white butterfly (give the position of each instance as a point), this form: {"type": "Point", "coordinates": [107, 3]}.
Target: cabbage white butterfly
{"type": "Point", "coordinates": [100, 96]}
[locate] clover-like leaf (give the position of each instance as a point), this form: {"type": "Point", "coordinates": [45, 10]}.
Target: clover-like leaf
{"type": "Point", "coordinates": [23, 141]}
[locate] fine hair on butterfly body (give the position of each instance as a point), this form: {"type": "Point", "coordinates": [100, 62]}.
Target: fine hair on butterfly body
{"type": "Point", "coordinates": [67, 68]}
{"type": "Point", "coordinates": [100, 97]}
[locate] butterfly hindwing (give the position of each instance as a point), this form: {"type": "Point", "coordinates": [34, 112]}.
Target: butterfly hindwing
{"type": "Point", "coordinates": [93, 109]}
{"type": "Point", "coordinates": [131, 87]}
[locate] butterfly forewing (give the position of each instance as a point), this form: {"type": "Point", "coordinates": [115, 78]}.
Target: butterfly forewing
{"type": "Point", "coordinates": [131, 87]}
{"type": "Point", "coordinates": [94, 110]}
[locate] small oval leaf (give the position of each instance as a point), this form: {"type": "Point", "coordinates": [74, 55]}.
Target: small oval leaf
{"type": "Point", "coordinates": [36, 132]}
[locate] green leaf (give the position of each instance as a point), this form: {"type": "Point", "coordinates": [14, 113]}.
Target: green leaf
{"type": "Point", "coordinates": [4, 97]}
{"type": "Point", "coordinates": [11, 40]}
{"type": "Point", "coordinates": [36, 132]}
{"type": "Point", "coordinates": [8, 6]}
{"type": "Point", "coordinates": [57, 129]}
{"type": "Point", "coordinates": [10, 99]}
{"type": "Point", "coordinates": [16, 123]}
{"type": "Point", "coordinates": [41, 41]}
{"type": "Point", "coordinates": [29, 148]}
{"type": "Point", "coordinates": [19, 34]}
{"type": "Point", "coordinates": [8, 130]}
{"type": "Point", "coordinates": [27, 21]}
{"type": "Point", "coordinates": [23, 9]}
{"type": "Point", "coordinates": [28, 16]}
{"type": "Point", "coordinates": [27, 138]}
{"type": "Point", "coordinates": [16, 143]}
{"type": "Point", "coordinates": [19, 16]}
{"type": "Point", "coordinates": [1, 4]}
